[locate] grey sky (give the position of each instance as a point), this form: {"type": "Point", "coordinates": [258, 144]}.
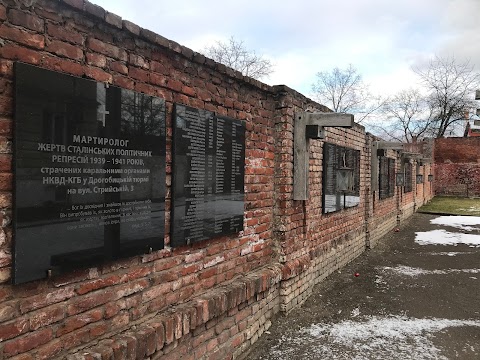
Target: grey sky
{"type": "Point", "coordinates": [383, 39]}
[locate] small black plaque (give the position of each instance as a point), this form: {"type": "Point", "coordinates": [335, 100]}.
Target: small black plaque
{"type": "Point", "coordinates": [408, 177]}
{"type": "Point", "coordinates": [89, 173]}
{"type": "Point", "coordinates": [386, 177]}
{"type": "Point", "coordinates": [341, 177]}
{"type": "Point", "coordinates": [208, 175]}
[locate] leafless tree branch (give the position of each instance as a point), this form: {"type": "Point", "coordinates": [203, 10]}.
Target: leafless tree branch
{"type": "Point", "coordinates": [234, 54]}
{"type": "Point", "coordinates": [450, 85]}
{"type": "Point", "coordinates": [343, 91]}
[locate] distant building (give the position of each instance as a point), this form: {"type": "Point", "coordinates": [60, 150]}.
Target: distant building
{"type": "Point", "coordinates": [472, 127]}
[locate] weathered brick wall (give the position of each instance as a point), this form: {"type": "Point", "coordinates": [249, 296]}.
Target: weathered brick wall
{"type": "Point", "coordinates": [49, 318]}
{"type": "Point", "coordinates": [208, 300]}
{"type": "Point", "coordinates": [383, 211]}
{"type": "Point", "coordinates": [457, 150]}
{"type": "Point", "coordinates": [311, 244]}
{"type": "Point", "coordinates": [457, 166]}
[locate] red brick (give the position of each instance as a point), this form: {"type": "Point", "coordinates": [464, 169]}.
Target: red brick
{"type": "Point", "coordinates": [159, 80]}
{"type": "Point", "coordinates": [98, 74]}
{"type": "Point", "coordinates": [119, 348]}
{"type": "Point", "coordinates": [146, 343]}
{"type": "Point", "coordinates": [138, 74]}
{"type": "Point", "coordinates": [50, 350]}
{"type": "Point", "coordinates": [13, 329]}
{"type": "Point", "coordinates": [97, 284]}
{"type": "Point", "coordinates": [16, 52]}
{"type": "Point", "coordinates": [5, 200]}
{"type": "Point", "coordinates": [63, 65]}
{"type": "Point", "coordinates": [6, 87]}
{"type": "Point", "coordinates": [65, 49]}
{"type": "Point", "coordinates": [190, 269]}
{"type": "Point", "coordinates": [156, 291]}
{"type": "Point", "coordinates": [119, 67]}
{"type": "Point", "coordinates": [122, 319]}
{"type": "Point", "coordinates": [66, 34]}
{"type": "Point", "coordinates": [75, 338]}
{"type": "Point", "coordinates": [138, 61]}
{"type": "Point", "coordinates": [27, 342]}
{"type": "Point", "coordinates": [90, 301]}
{"type": "Point", "coordinates": [130, 288]}
{"type": "Point", "coordinates": [3, 12]}
{"type": "Point", "coordinates": [168, 324]}
{"type": "Point", "coordinates": [164, 277]}
{"type": "Point", "coordinates": [159, 334]}
{"type": "Point", "coordinates": [188, 91]}
{"type": "Point", "coordinates": [107, 49]}
{"type": "Point", "coordinates": [99, 330]}
{"type": "Point", "coordinates": [7, 311]}
{"type": "Point", "coordinates": [174, 85]}
{"type": "Point", "coordinates": [6, 68]}
{"type": "Point", "coordinates": [43, 300]}
{"type": "Point", "coordinates": [144, 88]}
{"type": "Point", "coordinates": [96, 60]}
{"type": "Point", "coordinates": [79, 321]}
{"type": "Point", "coordinates": [158, 67]}
{"type": "Point", "coordinates": [22, 37]}
{"type": "Point", "coordinates": [113, 309]}
{"type": "Point", "coordinates": [129, 343]}
{"type": "Point", "coordinates": [29, 21]}
{"type": "Point", "coordinates": [6, 181]}
{"type": "Point", "coordinates": [47, 316]}
{"type": "Point", "coordinates": [123, 82]}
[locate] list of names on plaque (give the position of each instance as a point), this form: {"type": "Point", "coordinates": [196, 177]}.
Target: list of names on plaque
{"type": "Point", "coordinates": [89, 172]}
{"type": "Point", "coordinates": [208, 173]}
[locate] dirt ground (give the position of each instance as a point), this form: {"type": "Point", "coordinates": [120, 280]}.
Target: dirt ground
{"type": "Point", "coordinates": [409, 301]}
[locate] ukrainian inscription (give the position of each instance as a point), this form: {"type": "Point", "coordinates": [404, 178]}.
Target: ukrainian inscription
{"type": "Point", "coordinates": [208, 175]}
{"type": "Point", "coordinates": [89, 174]}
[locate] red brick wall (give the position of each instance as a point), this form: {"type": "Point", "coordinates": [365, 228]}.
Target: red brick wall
{"type": "Point", "coordinates": [457, 150]}
{"type": "Point", "coordinates": [457, 166]}
{"type": "Point", "coordinates": [214, 297]}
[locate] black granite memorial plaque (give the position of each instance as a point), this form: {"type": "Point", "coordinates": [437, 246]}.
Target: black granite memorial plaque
{"type": "Point", "coordinates": [341, 177]}
{"type": "Point", "coordinates": [386, 177]}
{"type": "Point", "coordinates": [352, 197]}
{"type": "Point", "coordinates": [391, 177]}
{"type": "Point", "coordinates": [331, 198]}
{"type": "Point", "coordinates": [208, 175]}
{"type": "Point", "coordinates": [89, 173]}
{"type": "Point", "coordinates": [408, 177]}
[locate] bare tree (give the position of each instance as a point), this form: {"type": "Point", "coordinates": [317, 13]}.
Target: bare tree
{"type": "Point", "coordinates": [409, 116]}
{"type": "Point", "coordinates": [344, 91]}
{"type": "Point", "coordinates": [450, 85]}
{"type": "Point", "coordinates": [234, 54]}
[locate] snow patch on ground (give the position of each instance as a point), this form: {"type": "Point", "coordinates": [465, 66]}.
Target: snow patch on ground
{"type": "Point", "coordinates": [451, 253]}
{"type": "Point", "coordinates": [411, 271]}
{"type": "Point", "coordinates": [394, 337]}
{"type": "Point", "coordinates": [443, 237]}
{"type": "Point", "coordinates": [460, 222]}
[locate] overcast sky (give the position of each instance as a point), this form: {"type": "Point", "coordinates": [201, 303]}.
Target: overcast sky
{"type": "Point", "coordinates": [383, 39]}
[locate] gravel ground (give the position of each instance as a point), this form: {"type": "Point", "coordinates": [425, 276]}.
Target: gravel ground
{"type": "Point", "coordinates": [411, 300]}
